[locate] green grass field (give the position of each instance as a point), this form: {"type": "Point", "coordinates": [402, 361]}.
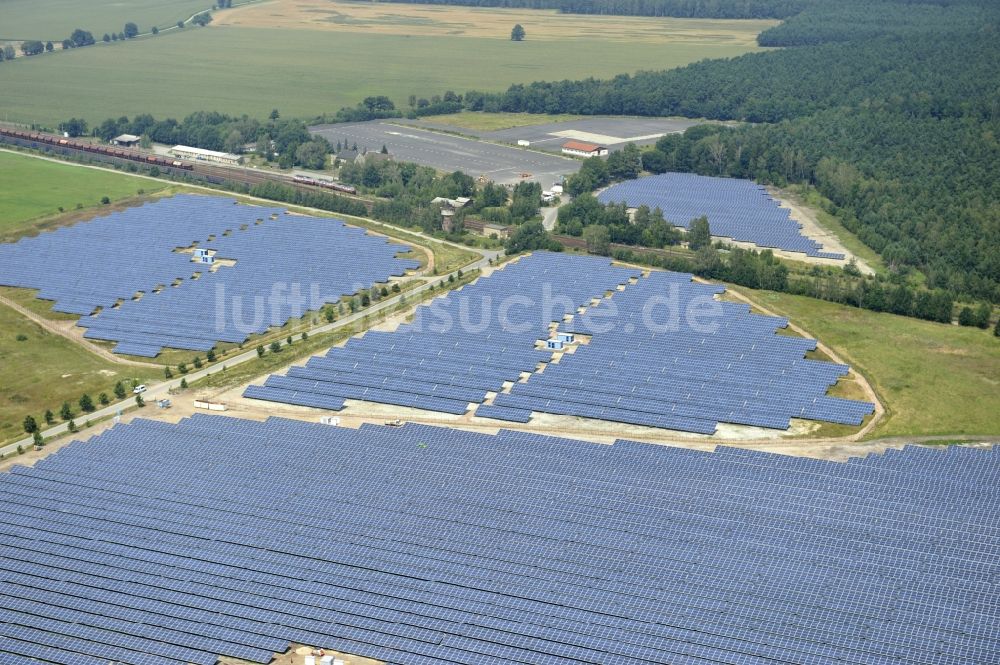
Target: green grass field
{"type": "Point", "coordinates": [55, 19]}
{"type": "Point", "coordinates": [305, 72]}
{"type": "Point", "coordinates": [932, 378]}
{"type": "Point", "coordinates": [492, 122]}
{"type": "Point", "coordinates": [44, 370]}
{"type": "Point", "coordinates": [32, 190]}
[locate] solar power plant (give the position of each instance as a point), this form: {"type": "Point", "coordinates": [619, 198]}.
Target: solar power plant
{"type": "Point", "coordinates": [674, 375]}
{"type": "Point", "coordinates": [162, 544]}
{"type": "Point", "coordinates": [281, 265]}
{"type": "Point", "coordinates": [737, 209]}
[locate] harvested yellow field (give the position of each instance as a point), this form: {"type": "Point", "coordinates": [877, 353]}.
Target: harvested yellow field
{"type": "Point", "coordinates": [487, 22]}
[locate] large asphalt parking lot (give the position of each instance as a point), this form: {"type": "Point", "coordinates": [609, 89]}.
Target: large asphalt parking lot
{"type": "Point", "coordinates": [500, 163]}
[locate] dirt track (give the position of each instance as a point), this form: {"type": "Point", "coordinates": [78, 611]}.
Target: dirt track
{"type": "Point", "coordinates": [69, 330]}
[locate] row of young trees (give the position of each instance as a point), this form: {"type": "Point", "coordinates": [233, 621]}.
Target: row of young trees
{"type": "Point", "coordinates": [67, 413]}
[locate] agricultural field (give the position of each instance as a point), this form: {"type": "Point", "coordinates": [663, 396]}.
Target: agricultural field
{"type": "Point", "coordinates": [32, 191]}
{"type": "Point", "coordinates": [488, 23]}
{"type": "Point", "coordinates": [55, 19]}
{"type": "Point", "coordinates": [308, 68]}
{"type": "Point", "coordinates": [933, 379]}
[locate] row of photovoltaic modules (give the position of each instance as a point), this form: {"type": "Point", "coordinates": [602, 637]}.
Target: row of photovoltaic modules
{"type": "Point", "coordinates": [737, 209]}
{"type": "Point", "coordinates": [161, 544]}
{"type": "Point", "coordinates": [671, 374]}
{"type": "Point", "coordinates": [282, 266]}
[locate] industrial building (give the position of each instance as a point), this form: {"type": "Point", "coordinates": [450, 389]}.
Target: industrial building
{"type": "Point", "coordinates": [126, 140]}
{"type": "Point", "coordinates": [582, 149]}
{"type": "Point", "coordinates": [201, 154]}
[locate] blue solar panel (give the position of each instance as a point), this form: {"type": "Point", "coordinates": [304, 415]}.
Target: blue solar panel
{"type": "Point", "coordinates": [633, 369]}
{"type": "Point", "coordinates": [737, 209]}
{"type": "Point", "coordinates": [159, 543]}
{"type": "Point", "coordinates": [284, 265]}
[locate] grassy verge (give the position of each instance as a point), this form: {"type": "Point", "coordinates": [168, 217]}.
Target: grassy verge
{"type": "Point", "coordinates": [43, 370]}
{"type": "Point", "coordinates": [27, 299]}
{"type": "Point", "coordinates": [35, 193]}
{"type": "Point", "coordinates": [808, 197]}
{"type": "Point", "coordinates": [447, 257]}
{"type": "Point", "coordinates": [934, 379]}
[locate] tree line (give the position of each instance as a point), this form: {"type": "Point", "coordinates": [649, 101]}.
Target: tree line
{"type": "Point", "coordinates": [285, 141]}
{"type": "Point", "coordinates": [80, 37]}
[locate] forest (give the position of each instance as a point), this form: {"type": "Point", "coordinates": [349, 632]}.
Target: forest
{"type": "Point", "coordinates": [676, 8]}
{"type": "Point", "coordinates": [891, 109]}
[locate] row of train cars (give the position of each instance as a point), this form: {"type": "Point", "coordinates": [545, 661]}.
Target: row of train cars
{"type": "Point", "coordinates": [211, 172]}
{"type": "Point", "coordinates": [97, 148]}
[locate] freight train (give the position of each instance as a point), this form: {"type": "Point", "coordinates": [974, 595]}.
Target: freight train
{"type": "Point", "coordinates": [107, 150]}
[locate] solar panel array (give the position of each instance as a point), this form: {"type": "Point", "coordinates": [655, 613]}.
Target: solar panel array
{"type": "Point", "coordinates": [737, 209]}
{"type": "Point", "coordinates": [161, 544]}
{"type": "Point", "coordinates": [729, 368]}
{"type": "Point", "coordinates": [684, 378]}
{"type": "Point", "coordinates": [445, 368]}
{"type": "Point", "coordinates": [107, 260]}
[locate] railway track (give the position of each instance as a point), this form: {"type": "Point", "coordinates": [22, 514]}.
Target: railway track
{"type": "Point", "coordinates": [210, 173]}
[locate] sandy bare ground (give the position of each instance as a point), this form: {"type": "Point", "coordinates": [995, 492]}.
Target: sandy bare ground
{"type": "Point", "coordinates": [74, 333]}
{"type": "Point", "coordinates": [811, 228]}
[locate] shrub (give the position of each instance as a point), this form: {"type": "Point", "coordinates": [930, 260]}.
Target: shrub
{"type": "Point", "coordinates": [260, 350]}
{"type": "Point", "coordinates": [184, 384]}
{"type": "Point", "coordinates": [210, 356]}
{"type": "Point", "coordinates": [21, 337]}
{"type": "Point", "coordinates": [182, 368]}
{"type": "Point", "coordinates": [197, 362]}
{"type": "Point", "coordinates": [30, 425]}
{"type": "Point", "coordinates": [275, 346]}
{"type": "Point", "coordinates": [103, 399]}
{"type": "Point", "coordinates": [167, 374]}
{"type": "Point", "coordinates": [86, 403]}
